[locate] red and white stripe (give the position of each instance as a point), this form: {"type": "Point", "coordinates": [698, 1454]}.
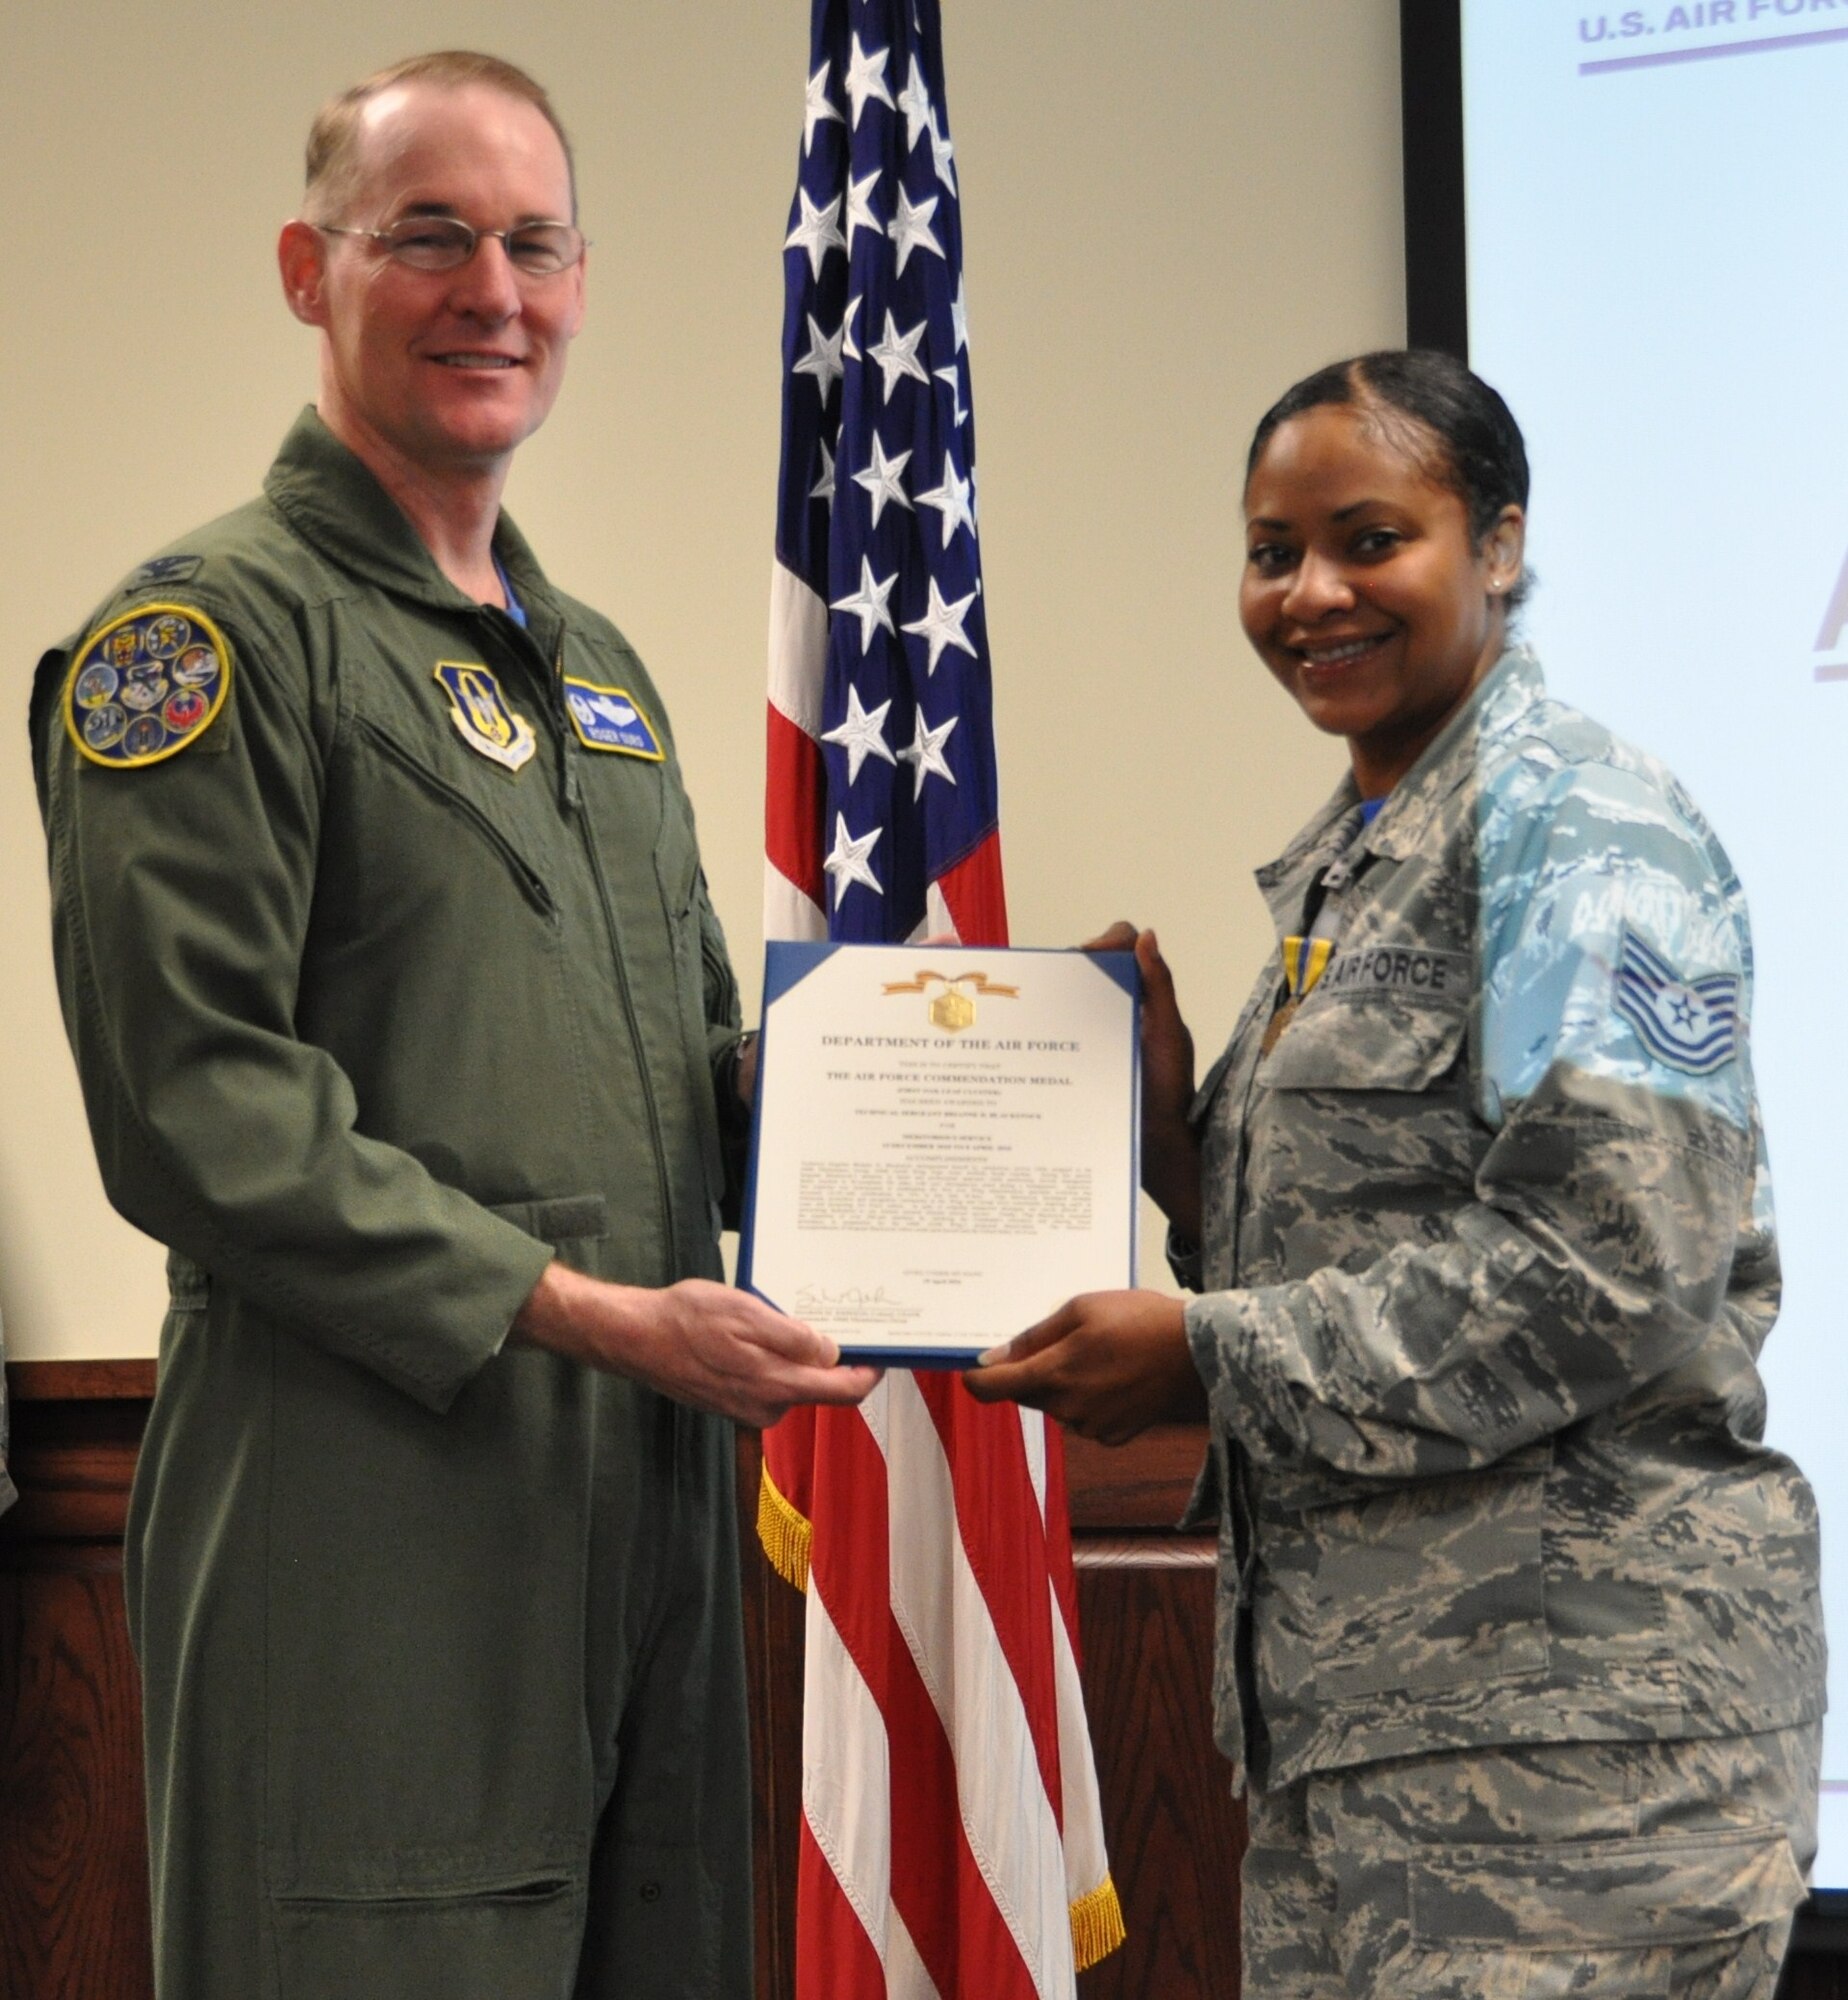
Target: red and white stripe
{"type": "Point", "coordinates": [951, 1818]}
{"type": "Point", "coordinates": [952, 1834]}
{"type": "Point", "coordinates": [794, 783]}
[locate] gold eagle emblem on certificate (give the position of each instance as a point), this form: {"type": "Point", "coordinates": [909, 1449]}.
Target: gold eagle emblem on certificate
{"type": "Point", "coordinates": [953, 1009]}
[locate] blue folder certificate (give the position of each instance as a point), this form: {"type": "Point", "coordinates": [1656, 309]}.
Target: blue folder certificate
{"type": "Point", "coordinates": [945, 1142]}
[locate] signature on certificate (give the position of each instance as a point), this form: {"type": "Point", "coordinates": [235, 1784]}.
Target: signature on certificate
{"type": "Point", "coordinates": [811, 1297]}
{"type": "Point", "coordinates": [861, 1306]}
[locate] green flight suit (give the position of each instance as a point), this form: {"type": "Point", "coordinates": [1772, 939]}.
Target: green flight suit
{"type": "Point", "coordinates": [440, 1643]}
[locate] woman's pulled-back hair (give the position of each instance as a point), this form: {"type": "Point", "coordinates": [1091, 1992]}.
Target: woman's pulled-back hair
{"type": "Point", "coordinates": [1440, 413]}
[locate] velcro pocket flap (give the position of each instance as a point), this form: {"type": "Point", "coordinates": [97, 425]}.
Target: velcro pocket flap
{"type": "Point", "coordinates": [1585, 1895]}
{"type": "Point", "coordinates": [513, 1937]}
{"type": "Point", "coordinates": [1369, 1042]}
{"type": "Point", "coordinates": [558, 1219]}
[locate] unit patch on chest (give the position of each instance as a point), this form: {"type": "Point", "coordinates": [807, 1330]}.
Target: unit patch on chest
{"type": "Point", "coordinates": [607, 718]}
{"type": "Point", "coordinates": [146, 685]}
{"type": "Point", "coordinates": [484, 719]}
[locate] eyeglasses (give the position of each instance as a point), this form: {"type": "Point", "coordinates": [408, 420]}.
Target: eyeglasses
{"type": "Point", "coordinates": [446, 243]}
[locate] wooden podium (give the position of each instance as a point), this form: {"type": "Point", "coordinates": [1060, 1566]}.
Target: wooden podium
{"type": "Point", "coordinates": [73, 1841]}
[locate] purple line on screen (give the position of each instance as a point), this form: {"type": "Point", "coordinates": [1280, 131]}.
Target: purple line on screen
{"type": "Point", "coordinates": [1836, 673]}
{"type": "Point", "coordinates": [1715, 49]}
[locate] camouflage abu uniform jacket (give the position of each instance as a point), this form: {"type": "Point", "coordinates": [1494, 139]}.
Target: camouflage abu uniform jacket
{"type": "Point", "coordinates": [1488, 1262]}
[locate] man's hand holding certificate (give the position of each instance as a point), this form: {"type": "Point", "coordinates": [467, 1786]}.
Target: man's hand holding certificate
{"type": "Point", "coordinates": [945, 1145]}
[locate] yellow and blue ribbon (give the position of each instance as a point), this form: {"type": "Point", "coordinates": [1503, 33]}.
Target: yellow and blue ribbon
{"type": "Point", "coordinates": [1305, 959]}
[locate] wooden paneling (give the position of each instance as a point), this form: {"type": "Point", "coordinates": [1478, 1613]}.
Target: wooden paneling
{"type": "Point", "coordinates": [1175, 1831]}
{"type": "Point", "coordinates": [1145, 1605]}
{"type": "Point", "coordinates": [73, 1852]}
{"type": "Point", "coordinates": [1142, 1485]}
{"type": "Point", "coordinates": [73, 1838]}
{"type": "Point", "coordinates": [1811, 1975]}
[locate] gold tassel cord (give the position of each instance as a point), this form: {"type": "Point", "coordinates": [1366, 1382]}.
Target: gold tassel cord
{"type": "Point", "coordinates": [785, 1532]}
{"type": "Point", "coordinates": [1097, 1925]}
{"type": "Point", "coordinates": [787, 1537]}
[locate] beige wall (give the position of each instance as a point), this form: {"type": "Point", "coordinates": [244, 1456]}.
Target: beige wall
{"type": "Point", "coordinates": [1172, 209]}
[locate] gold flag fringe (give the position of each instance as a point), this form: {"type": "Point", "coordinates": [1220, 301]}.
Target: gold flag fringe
{"type": "Point", "coordinates": [785, 1532]}
{"type": "Point", "coordinates": [1097, 1924]}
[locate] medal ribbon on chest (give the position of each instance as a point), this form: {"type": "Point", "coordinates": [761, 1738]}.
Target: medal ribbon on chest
{"type": "Point", "coordinates": [1305, 959]}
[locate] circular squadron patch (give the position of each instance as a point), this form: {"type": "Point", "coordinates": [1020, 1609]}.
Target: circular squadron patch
{"type": "Point", "coordinates": [146, 685]}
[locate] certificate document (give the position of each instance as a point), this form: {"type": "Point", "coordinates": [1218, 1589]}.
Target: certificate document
{"type": "Point", "coordinates": [945, 1142]}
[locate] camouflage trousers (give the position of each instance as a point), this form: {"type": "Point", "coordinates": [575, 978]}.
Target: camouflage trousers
{"type": "Point", "coordinates": [1598, 1871]}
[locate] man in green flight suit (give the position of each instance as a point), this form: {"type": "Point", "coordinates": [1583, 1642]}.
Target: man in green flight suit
{"type": "Point", "coordinates": [404, 1020]}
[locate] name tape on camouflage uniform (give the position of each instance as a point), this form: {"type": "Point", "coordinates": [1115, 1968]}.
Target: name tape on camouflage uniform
{"type": "Point", "coordinates": [1397, 969]}
{"type": "Point", "coordinates": [1690, 1024]}
{"type": "Point", "coordinates": [607, 718]}
{"type": "Point", "coordinates": [483, 717]}
{"type": "Point", "coordinates": [146, 685]}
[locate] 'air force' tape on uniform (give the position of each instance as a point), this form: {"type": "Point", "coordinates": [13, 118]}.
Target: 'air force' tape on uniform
{"type": "Point", "coordinates": [1398, 968]}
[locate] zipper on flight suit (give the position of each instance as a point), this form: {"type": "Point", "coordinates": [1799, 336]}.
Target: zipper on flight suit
{"type": "Point", "coordinates": [571, 798]}
{"type": "Point", "coordinates": [569, 751]}
{"type": "Point", "coordinates": [533, 885]}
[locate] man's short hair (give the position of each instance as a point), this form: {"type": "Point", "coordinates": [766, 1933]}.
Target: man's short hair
{"type": "Point", "coordinates": [333, 148]}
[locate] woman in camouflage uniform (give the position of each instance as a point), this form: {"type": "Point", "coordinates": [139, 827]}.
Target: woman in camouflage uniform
{"type": "Point", "coordinates": [1520, 1644]}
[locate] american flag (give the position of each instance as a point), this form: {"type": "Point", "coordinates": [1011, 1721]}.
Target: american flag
{"type": "Point", "coordinates": [952, 1843]}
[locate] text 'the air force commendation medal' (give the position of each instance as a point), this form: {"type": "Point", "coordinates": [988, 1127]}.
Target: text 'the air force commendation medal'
{"type": "Point", "coordinates": [482, 715]}
{"type": "Point", "coordinates": [146, 685]}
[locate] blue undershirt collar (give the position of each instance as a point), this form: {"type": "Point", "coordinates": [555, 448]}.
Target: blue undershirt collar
{"type": "Point", "coordinates": [515, 609]}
